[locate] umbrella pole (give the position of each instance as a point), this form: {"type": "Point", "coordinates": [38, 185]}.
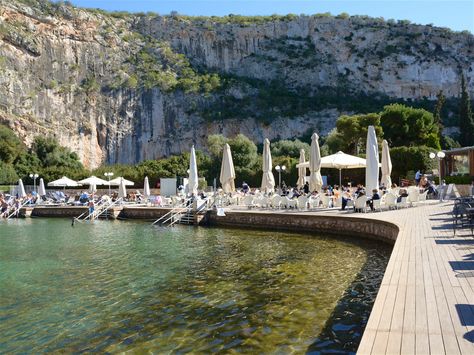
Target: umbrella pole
{"type": "Point", "coordinates": [340, 179]}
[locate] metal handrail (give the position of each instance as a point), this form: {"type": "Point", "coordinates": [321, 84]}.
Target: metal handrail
{"type": "Point", "coordinates": [104, 207]}
{"type": "Point", "coordinates": [18, 209]}
{"type": "Point", "coordinates": [174, 211]}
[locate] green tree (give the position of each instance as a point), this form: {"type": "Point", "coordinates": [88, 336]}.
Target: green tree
{"type": "Point", "coordinates": [8, 174]}
{"type": "Point", "coordinates": [408, 126]}
{"type": "Point", "coordinates": [10, 145]}
{"type": "Point", "coordinates": [466, 121]}
{"type": "Point", "coordinates": [289, 148]}
{"type": "Point", "coordinates": [351, 133]}
{"type": "Point", "coordinates": [406, 159]}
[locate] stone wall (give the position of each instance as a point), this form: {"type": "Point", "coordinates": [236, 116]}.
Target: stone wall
{"type": "Point", "coordinates": [340, 225]}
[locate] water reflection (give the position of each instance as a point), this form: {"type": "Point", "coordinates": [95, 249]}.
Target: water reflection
{"type": "Point", "coordinates": [118, 286]}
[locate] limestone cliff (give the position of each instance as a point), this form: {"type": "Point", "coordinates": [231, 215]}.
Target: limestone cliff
{"type": "Point", "coordinates": [132, 87]}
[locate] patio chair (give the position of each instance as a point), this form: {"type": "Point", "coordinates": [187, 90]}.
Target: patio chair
{"type": "Point", "coordinates": [249, 201]}
{"type": "Point", "coordinates": [391, 201]}
{"type": "Point", "coordinates": [325, 201]}
{"type": "Point", "coordinates": [377, 204]}
{"type": "Point", "coordinates": [360, 204]}
{"type": "Point", "coordinates": [276, 201]}
{"type": "Point", "coordinates": [302, 202]}
{"type": "Point", "coordinates": [403, 203]}
{"type": "Point", "coordinates": [423, 196]}
{"type": "Point", "coordinates": [314, 202]}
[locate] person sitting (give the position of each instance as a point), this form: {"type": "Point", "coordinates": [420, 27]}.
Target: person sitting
{"type": "Point", "coordinates": [402, 193]}
{"type": "Point", "coordinates": [346, 197]}
{"type": "Point", "coordinates": [245, 188]}
{"type": "Point", "coordinates": [375, 196]}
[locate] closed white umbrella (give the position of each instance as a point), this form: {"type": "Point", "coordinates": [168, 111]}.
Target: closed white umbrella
{"type": "Point", "coordinates": [227, 176]}
{"type": "Point", "coordinates": [93, 180]}
{"type": "Point", "coordinates": [301, 170]}
{"type": "Point", "coordinates": [41, 189]}
{"type": "Point", "coordinates": [92, 188]}
{"type": "Point", "coordinates": [268, 181]}
{"type": "Point", "coordinates": [64, 182]}
{"type": "Point", "coordinates": [122, 191]}
{"type": "Point", "coordinates": [21, 189]}
{"type": "Point", "coordinates": [315, 178]}
{"type": "Point", "coordinates": [193, 182]}
{"type": "Point", "coordinates": [372, 155]}
{"type": "Point", "coordinates": [386, 165]}
{"type": "Point", "coordinates": [118, 180]}
{"type": "Point", "coordinates": [146, 188]}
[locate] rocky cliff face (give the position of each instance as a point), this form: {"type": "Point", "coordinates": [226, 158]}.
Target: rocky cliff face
{"type": "Point", "coordinates": [115, 89]}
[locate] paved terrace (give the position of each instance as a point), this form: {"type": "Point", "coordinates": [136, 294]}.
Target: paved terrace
{"type": "Point", "coordinates": [425, 304]}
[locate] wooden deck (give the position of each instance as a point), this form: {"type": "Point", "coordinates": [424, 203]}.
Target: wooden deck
{"type": "Point", "coordinates": [425, 304]}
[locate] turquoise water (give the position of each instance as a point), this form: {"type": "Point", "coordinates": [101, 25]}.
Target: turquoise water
{"type": "Point", "coordinates": [115, 286]}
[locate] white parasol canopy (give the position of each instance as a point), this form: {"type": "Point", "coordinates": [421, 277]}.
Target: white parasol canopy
{"type": "Point", "coordinates": [315, 179]}
{"type": "Point", "coordinates": [339, 161]}
{"type": "Point", "coordinates": [268, 181]}
{"type": "Point", "coordinates": [64, 182]}
{"type": "Point", "coordinates": [41, 189]}
{"type": "Point", "coordinates": [372, 169]}
{"type": "Point", "coordinates": [386, 165]}
{"type": "Point", "coordinates": [118, 180]}
{"type": "Point", "coordinates": [193, 182]}
{"type": "Point", "coordinates": [146, 187]}
{"type": "Point", "coordinates": [93, 180]}
{"type": "Point", "coordinates": [122, 191]}
{"type": "Point", "coordinates": [301, 170]}
{"type": "Point", "coordinates": [227, 176]}
{"type": "Point", "coordinates": [21, 189]}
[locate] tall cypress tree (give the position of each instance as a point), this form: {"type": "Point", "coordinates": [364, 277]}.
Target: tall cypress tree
{"type": "Point", "coordinates": [466, 121]}
{"type": "Point", "coordinates": [437, 112]}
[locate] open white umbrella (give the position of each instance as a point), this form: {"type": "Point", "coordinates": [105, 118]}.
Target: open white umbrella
{"type": "Point", "coordinates": [93, 180]}
{"type": "Point", "coordinates": [339, 161]}
{"type": "Point", "coordinates": [21, 189]}
{"type": "Point", "coordinates": [122, 191]}
{"type": "Point", "coordinates": [64, 182]}
{"type": "Point", "coordinates": [41, 189]}
{"type": "Point", "coordinates": [193, 182]}
{"type": "Point", "coordinates": [268, 181]}
{"type": "Point", "coordinates": [146, 188]}
{"type": "Point", "coordinates": [315, 178]}
{"type": "Point", "coordinates": [386, 166]}
{"type": "Point", "coordinates": [372, 169]}
{"type": "Point", "coordinates": [227, 176]}
{"type": "Point", "coordinates": [118, 180]}
{"type": "Point", "coordinates": [301, 170]}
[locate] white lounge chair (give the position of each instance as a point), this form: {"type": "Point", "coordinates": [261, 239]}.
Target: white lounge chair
{"type": "Point", "coordinates": [314, 202]}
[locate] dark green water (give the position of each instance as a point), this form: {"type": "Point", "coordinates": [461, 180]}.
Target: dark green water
{"type": "Point", "coordinates": [115, 286]}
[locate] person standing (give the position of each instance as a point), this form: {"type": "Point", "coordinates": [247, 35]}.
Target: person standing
{"type": "Point", "coordinates": [418, 177]}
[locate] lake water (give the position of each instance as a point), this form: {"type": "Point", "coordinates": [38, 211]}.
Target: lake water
{"type": "Point", "coordinates": [114, 286]}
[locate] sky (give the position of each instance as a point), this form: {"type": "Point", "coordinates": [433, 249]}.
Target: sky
{"type": "Point", "coordinates": [457, 15]}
